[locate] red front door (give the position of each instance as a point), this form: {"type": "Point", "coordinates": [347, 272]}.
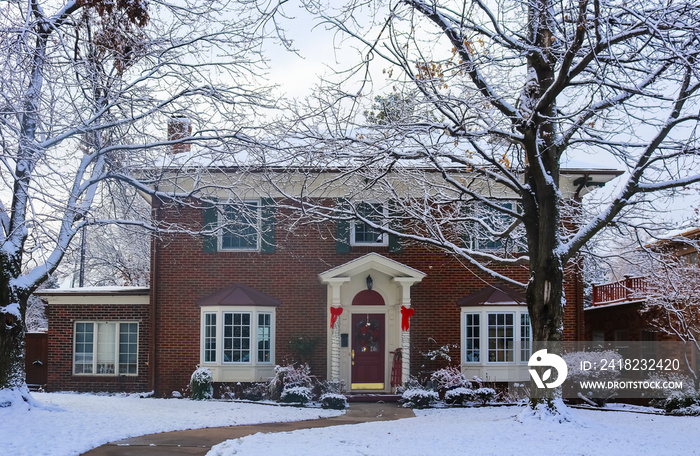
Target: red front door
{"type": "Point", "coordinates": [368, 351]}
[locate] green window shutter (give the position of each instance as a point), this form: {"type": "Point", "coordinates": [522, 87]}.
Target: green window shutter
{"type": "Point", "coordinates": [342, 235]}
{"type": "Point", "coordinates": [395, 223]}
{"type": "Point", "coordinates": [211, 241]}
{"type": "Point", "coordinates": [267, 236]}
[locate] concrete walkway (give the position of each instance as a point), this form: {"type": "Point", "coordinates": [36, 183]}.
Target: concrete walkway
{"type": "Point", "coordinates": [200, 441]}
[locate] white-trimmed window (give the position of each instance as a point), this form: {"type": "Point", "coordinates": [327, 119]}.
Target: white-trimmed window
{"type": "Point", "coordinates": [501, 337]}
{"type": "Point", "coordinates": [240, 226]}
{"type": "Point", "coordinates": [105, 348]}
{"type": "Point", "coordinates": [525, 337]}
{"type": "Point", "coordinates": [238, 337]}
{"type": "Point", "coordinates": [496, 336]}
{"type": "Point", "coordinates": [210, 337]}
{"type": "Point", "coordinates": [489, 229]}
{"type": "Point", "coordinates": [361, 232]}
{"type": "Point", "coordinates": [472, 338]}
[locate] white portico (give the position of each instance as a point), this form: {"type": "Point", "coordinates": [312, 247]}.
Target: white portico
{"type": "Point", "coordinates": [365, 318]}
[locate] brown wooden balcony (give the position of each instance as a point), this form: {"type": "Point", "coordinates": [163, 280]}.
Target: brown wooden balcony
{"type": "Point", "coordinates": [627, 289]}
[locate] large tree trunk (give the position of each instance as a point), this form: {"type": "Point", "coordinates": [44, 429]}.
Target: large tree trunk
{"type": "Point", "coordinates": [12, 328]}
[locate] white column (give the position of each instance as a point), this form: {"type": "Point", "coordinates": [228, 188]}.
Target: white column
{"type": "Point", "coordinates": [405, 283]}
{"type": "Point", "coordinates": [335, 352]}
{"type": "Point", "coordinates": [335, 284]}
{"type": "Point", "coordinates": [405, 356]}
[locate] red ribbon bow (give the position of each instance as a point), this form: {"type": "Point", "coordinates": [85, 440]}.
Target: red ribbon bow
{"type": "Point", "coordinates": [406, 313]}
{"type": "Point", "coordinates": [335, 313]}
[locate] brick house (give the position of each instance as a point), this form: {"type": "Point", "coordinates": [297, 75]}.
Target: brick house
{"type": "Point", "coordinates": [238, 298]}
{"type": "Point", "coordinates": [618, 309]}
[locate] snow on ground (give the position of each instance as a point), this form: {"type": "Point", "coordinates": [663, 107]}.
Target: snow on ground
{"type": "Point", "coordinates": [487, 431]}
{"type": "Point", "coordinates": [71, 424]}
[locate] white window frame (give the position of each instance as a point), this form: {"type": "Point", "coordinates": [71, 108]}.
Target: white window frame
{"type": "Point", "coordinates": [385, 236]}
{"type": "Point", "coordinates": [484, 312]}
{"type": "Point", "coordinates": [469, 352]}
{"type": "Point", "coordinates": [254, 335]}
{"type": "Point", "coordinates": [222, 228]}
{"type": "Point", "coordinates": [475, 243]}
{"type": "Point", "coordinates": [95, 348]}
{"type": "Point", "coordinates": [505, 350]}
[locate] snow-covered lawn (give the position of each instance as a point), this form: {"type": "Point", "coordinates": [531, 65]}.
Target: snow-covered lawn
{"type": "Point", "coordinates": [71, 424]}
{"type": "Point", "coordinates": [487, 431]}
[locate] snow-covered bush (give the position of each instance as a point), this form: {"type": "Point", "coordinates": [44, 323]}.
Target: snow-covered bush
{"type": "Point", "coordinates": [484, 394]}
{"type": "Point", "coordinates": [334, 401]}
{"type": "Point", "coordinates": [458, 396]}
{"type": "Point", "coordinates": [289, 376]}
{"type": "Point", "coordinates": [686, 402]}
{"type": "Point", "coordinates": [419, 398]}
{"type": "Point", "coordinates": [448, 377]}
{"type": "Point", "coordinates": [296, 395]}
{"type": "Point", "coordinates": [201, 384]}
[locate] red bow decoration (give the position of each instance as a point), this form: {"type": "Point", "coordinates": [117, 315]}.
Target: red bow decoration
{"type": "Point", "coordinates": [406, 313]}
{"type": "Point", "coordinates": [335, 313]}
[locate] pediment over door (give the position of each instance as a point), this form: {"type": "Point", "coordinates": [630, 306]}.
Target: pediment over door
{"type": "Point", "coordinates": [372, 261]}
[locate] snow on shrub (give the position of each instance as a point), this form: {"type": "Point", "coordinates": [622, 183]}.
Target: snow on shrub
{"type": "Point", "coordinates": [448, 377]}
{"type": "Point", "coordinates": [289, 376]}
{"type": "Point", "coordinates": [201, 384]}
{"type": "Point", "coordinates": [334, 401]}
{"type": "Point", "coordinates": [458, 396]}
{"type": "Point", "coordinates": [484, 394]}
{"type": "Point", "coordinates": [682, 403]}
{"type": "Point", "coordinates": [296, 394]}
{"type": "Point", "coordinates": [419, 398]}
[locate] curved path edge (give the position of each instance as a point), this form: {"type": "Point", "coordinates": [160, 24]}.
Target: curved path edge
{"type": "Point", "coordinates": [200, 441]}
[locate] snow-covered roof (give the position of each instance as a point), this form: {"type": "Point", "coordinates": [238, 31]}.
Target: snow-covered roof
{"type": "Point", "coordinates": [93, 291]}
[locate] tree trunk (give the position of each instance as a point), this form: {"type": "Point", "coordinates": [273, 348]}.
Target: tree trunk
{"type": "Point", "coordinates": [12, 328]}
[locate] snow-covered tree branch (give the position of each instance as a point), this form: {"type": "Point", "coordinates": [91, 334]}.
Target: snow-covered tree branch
{"type": "Point", "coordinates": [87, 89]}
{"type": "Point", "coordinates": [492, 104]}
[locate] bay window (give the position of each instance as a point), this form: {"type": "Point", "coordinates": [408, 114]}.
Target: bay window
{"type": "Point", "coordinates": [496, 336]}
{"type": "Point", "coordinates": [240, 337]}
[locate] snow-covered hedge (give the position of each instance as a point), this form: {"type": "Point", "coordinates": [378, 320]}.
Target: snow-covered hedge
{"type": "Point", "coordinates": [334, 401]}
{"type": "Point", "coordinates": [458, 396]}
{"type": "Point", "coordinates": [201, 384]}
{"type": "Point", "coordinates": [419, 398]}
{"type": "Point", "coordinates": [296, 395]}
{"type": "Point", "coordinates": [484, 394]}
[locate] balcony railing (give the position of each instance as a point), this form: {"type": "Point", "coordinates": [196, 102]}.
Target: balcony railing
{"type": "Point", "coordinates": [627, 289]}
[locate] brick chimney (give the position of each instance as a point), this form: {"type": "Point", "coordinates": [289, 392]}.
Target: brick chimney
{"type": "Point", "coordinates": [179, 127]}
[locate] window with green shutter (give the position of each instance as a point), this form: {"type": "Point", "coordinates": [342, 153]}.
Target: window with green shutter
{"type": "Point", "coordinates": [246, 226]}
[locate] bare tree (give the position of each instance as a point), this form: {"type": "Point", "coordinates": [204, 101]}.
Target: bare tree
{"type": "Point", "coordinates": [86, 86]}
{"type": "Point", "coordinates": [673, 297]}
{"type": "Point", "coordinates": [492, 99]}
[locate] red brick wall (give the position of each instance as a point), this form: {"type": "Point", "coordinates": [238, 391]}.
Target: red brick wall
{"type": "Point", "coordinates": [625, 317]}
{"type": "Point", "coordinates": [60, 364]}
{"type": "Point", "coordinates": [184, 273]}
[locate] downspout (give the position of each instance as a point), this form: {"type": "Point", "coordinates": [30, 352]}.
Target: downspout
{"type": "Point", "coordinates": [580, 315]}
{"type": "Point", "coordinates": [153, 327]}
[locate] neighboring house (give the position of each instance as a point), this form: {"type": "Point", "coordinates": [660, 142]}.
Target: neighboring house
{"type": "Point", "coordinates": [622, 311]}
{"type": "Point", "coordinates": [237, 300]}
